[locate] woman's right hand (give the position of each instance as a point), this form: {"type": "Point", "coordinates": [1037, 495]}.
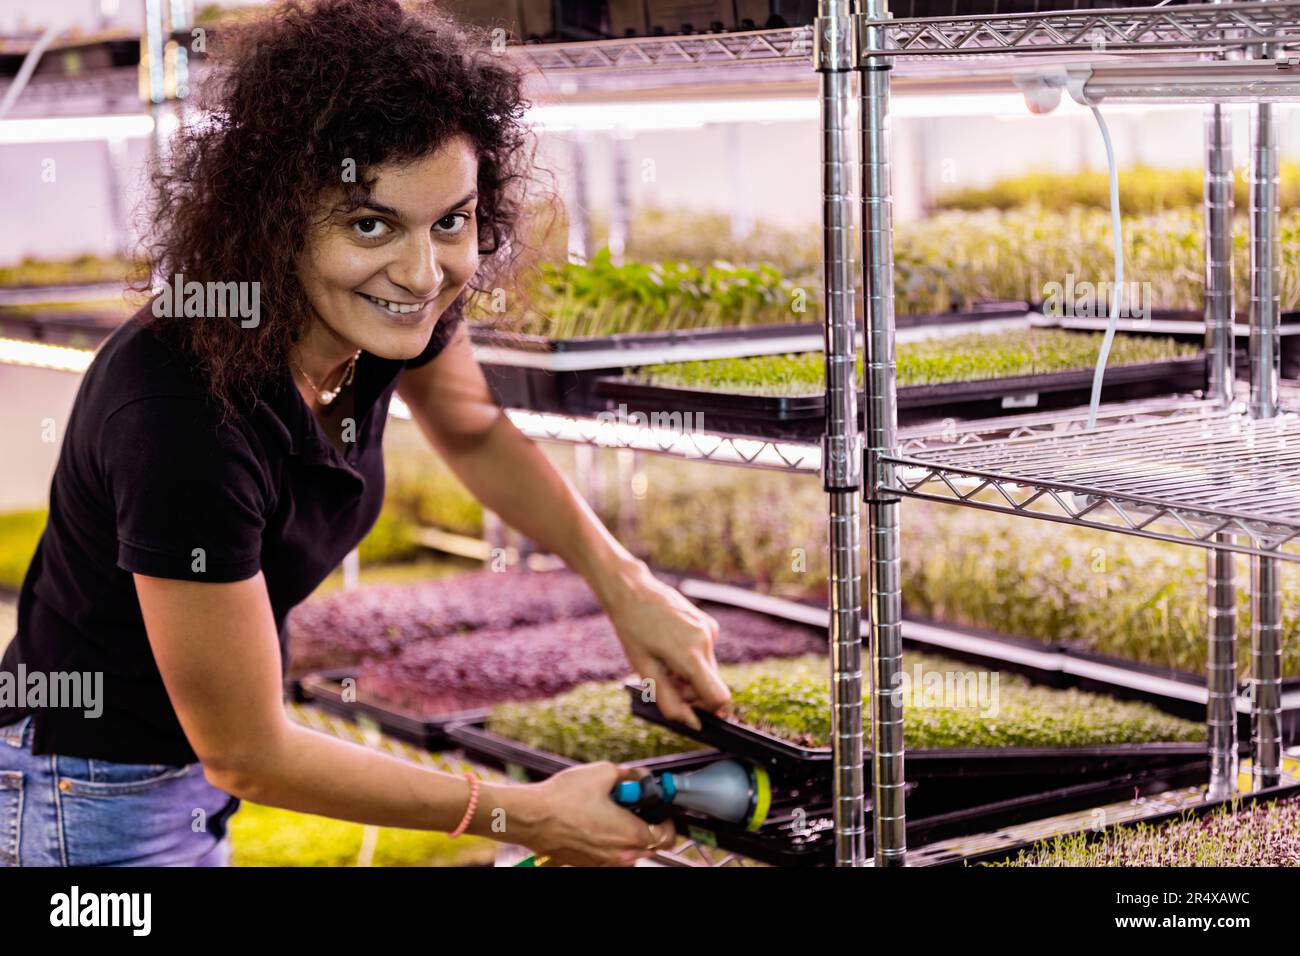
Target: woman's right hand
{"type": "Point", "coordinates": [579, 824]}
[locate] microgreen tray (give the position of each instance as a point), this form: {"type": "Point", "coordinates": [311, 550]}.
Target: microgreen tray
{"type": "Point", "coordinates": [802, 417]}
{"type": "Point", "coordinates": [794, 833]}
{"type": "Point", "coordinates": [558, 375]}
{"type": "Point", "coordinates": [1007, 849]}
{"type": "Point", "coordinates": [324, 689]}
{"type": "Point", "coordinates": [725, 339]}
{"type": "Point", "coordinates": [799, 827]}
{"type": "Point", "coordinates": [522, 761]}
{"type": "Point", "coordinates": [1061, 664]}
{"type": "Point", "coordinates": [1034, 766]}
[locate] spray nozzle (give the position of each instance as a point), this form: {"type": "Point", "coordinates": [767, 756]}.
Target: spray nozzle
{"type": "Point", "coordinates": [727, 790]}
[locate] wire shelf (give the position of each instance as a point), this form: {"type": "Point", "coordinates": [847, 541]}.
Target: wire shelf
{"type": "Point", "coordinates": [793, 456]}
{"type": "Point", "coordinates": [691, 445]}
{"type": "Point", "coordinates": [1149, 29]}
{"type": "Point", "coordinates": [950, 431]}
{"type": "Point", "coordinates": [672, 52]}
{"type": "Point", "coordinates": [1184, 479]}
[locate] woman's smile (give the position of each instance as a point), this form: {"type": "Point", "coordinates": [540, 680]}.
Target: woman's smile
{"type": "Point", "coordinates": [399, 312]}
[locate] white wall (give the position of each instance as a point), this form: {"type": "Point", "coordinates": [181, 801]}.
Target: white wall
{"type": "Point", "coordinates": [29, 396]}
{"type": "Point", "coordinates": [769, 171]}
{"type": "Point", "coordinates": [71, 215]}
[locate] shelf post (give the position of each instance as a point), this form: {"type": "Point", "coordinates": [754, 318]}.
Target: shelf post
{"type": "Point", "coordinates": [1220, 308]}
{"type": "Point", "coordinates": [1221, 588]}
{"type": "Point", "coordinates": [579, 216]}
{"type": "Point", "coordinates": [620, 214]}
{"type": "Point", "coordinates": [883, 510]}
{"type": "Point", "coordinates": [842, 441]}
{"type": "Point", "coordinates": [1265, 316]}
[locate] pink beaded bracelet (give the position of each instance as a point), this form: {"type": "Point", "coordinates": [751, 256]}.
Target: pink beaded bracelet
{"type": "Point", "coordinates": [469, 811]}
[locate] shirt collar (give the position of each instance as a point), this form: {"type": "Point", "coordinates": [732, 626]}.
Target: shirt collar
{"type": "Point", "coordinates": [299, 429]}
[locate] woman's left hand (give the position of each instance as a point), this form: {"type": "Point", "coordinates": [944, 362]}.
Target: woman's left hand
{"type": "Point", "coordinates": [669, 641]}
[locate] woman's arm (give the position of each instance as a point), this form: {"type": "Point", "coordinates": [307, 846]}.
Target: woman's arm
{"type": "Point", "coordinates": [216, 648]}
{"type": "Point", "coordinates": [666, 637]}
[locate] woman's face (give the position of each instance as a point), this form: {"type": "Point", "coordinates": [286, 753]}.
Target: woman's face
{"type": "Point", "coordinates": [414, 246]}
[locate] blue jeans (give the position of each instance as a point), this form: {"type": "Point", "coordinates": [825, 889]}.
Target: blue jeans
{"type": "Point", "coordinates": [73, 811]}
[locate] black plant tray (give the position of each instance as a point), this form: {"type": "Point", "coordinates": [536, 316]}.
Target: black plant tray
{"type": "Point", "coordinates": [1174, 323]}
{"type": "Point", "coordinates": [1034, 767]}
{"type": "Point", "coordinates": [798, 828]}
{"type": "Point", "coordinates": [430, 732]}
{"type": "Point", "coordinates": [481, 334]}
{"type": "Point", "coordinates": [1074, 651]}
{"type": "Point", "coordinates": [979, 312]}
{"type": "Point", "coordinates": [1139, 684]}
{"type": "Point", "coordinates": [541, 390]}
{"type": "Point", "coordinates": [793, 834]}
{"type": "Point", "coordinates": [74, 329]}
{"type": "Point", "coordinates": [799, 831]}
{"type": "Point", "coordinates": [520, 760]}
{"type": "Point", "coordinates": [1010, 849]}
{"type": "Point", "coordinates": [293, 692]}
{"type": "Point", "coordinates": [1139, 681]}
{"type": "Point", "coordinates": [638, 341]}
{"type": "Point", "coordinates": [559, 375]}
{"type": "Point", "coordinates": [802, 417]}
{"type": "Point", "coordinates": [1158, 316]}
{"type": "Point", "coordinates": [1071, 798]}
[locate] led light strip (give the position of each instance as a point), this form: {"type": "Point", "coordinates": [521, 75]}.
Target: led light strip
{"type": "Point", "coordinates": [71, 129]}
{"type": "Point", "coordinates": [61, 358]}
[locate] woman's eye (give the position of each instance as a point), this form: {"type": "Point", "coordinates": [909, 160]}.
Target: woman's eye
{"type": "Point", "coordinates": [367, 227]}
{"type": "Point", "coordinates": [457, 220]}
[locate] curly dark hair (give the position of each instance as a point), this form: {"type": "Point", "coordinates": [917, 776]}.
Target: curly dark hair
{"type": "Point", "coordinates": [291, 97]}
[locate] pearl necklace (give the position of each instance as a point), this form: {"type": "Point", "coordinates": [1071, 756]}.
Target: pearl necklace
{"type": "Point", "coordinates": [327, 396]}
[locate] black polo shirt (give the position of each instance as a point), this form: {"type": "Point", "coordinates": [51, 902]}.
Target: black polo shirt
{"type": "Point", "coordinates": [150, 480]}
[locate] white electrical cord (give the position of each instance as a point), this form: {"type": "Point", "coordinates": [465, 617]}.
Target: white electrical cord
{"type": "Point", "coordinates": [1118, 289]}
{"type": "Point", "coordinates": [25, 71]}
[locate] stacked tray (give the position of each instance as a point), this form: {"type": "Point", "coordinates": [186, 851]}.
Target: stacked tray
{"type": "Point", "coordinates": [997, 768]}
{"type": "Point", "coordinates": [559, 375]}
{"type": "Point", "coordinates": [803, 417]}
{"type": "Point", "coordinates": [1062, 664]}
{"type": "Point", "coordinates": [955, 792]}
{"type": "Point", "coordinates": [325, 689]}
{"type": "Point", "coordinates": [1008, 846]}
{"type": "Point", "coordinates": [799, 828]}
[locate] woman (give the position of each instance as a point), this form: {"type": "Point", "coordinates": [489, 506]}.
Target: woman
{"type": "Point", "coordinates": [363, 165]}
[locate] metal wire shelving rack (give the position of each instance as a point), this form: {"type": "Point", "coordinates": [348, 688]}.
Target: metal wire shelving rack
{"type": "Point", "coordinates": [1206, 473]}
{"type": "Point", "coordinates": [1216, 478]}
{"type": "Point", "coordinates": [1199, 473]}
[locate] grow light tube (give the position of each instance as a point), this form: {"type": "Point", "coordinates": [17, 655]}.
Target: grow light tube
{"type": "Point", "coordinates": [1200, 81]}
{"type": "Point", "coordinates": [60, 358]}
{"type": "Point", "coordinates": [1206, 81]}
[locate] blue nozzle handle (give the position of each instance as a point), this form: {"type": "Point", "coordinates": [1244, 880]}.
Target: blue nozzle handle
{"type": "Point", "coordinates": [627, 793]}
{"type": "Point", "coordinates": [644, 797]}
